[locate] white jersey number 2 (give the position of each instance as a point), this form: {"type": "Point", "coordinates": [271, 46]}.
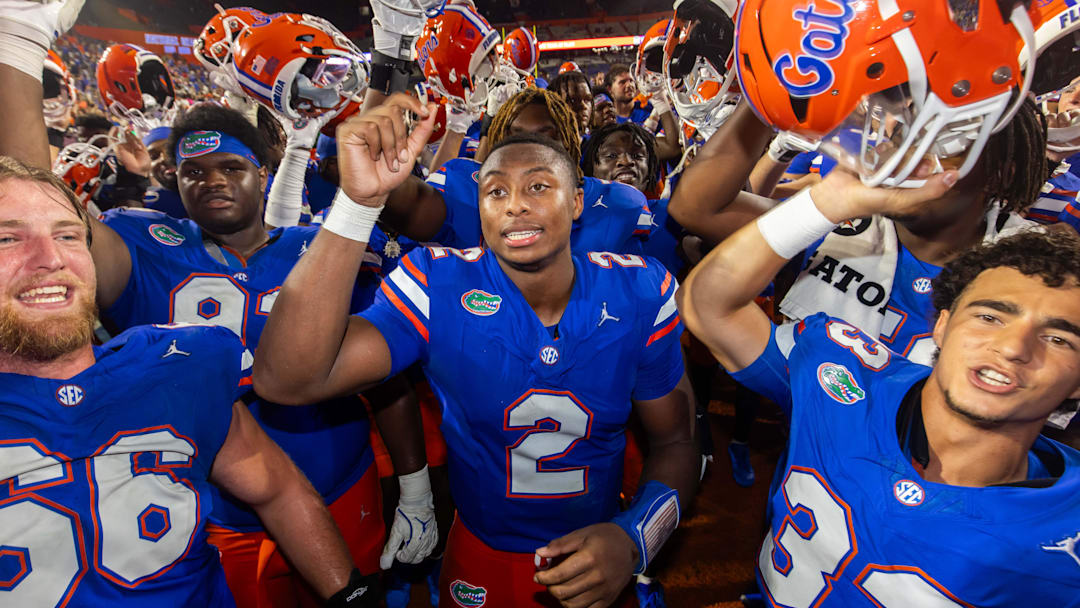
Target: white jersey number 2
{"type": "Point", "coordinates": [145, 517]}
{"type": "Point", "coordinates": [554, 422]}
{"type": "Point", "coordinates": [802, 562]}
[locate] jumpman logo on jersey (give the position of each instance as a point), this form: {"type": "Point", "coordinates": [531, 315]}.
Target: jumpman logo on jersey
{"type": "Point", "coordinates": [173, 350]}
{"type": "Point", "coordinates": [363, 513]}
{"type": "Point", "coordinates": [600, 202]}
{"type": "Point", "coordinates": [1068, 545]}
{"type": "Point", "coordinates": [604, 316]}
{"type": "Point", "coordinates": [303, 248]}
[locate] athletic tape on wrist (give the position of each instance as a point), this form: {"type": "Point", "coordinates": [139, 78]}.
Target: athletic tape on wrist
{"type": "Point", "coordinates": [415, 487]}
{"type": "Point", "coordinates": [286, 200]}
{"type": "Point", "coordinates": [350, 219]}
{"type": "Point", "coordinates": [649, 521]}
{"type": "Point", "coordinates": [794, 225]}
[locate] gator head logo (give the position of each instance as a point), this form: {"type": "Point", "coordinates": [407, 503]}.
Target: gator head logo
{"type": "Point", "coordinates": [481, 303]}
{"type": "Point", "coordinates": [165, 235]}
{"type": "Point", "coordinates": [839, 383]}
{"type": "Point", "coordinates": [466, 595]}
{"type": "Point", "coordinates": [198, 143]}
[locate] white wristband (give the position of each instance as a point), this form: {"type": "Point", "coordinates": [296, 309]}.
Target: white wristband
{"type": "Point", "coordinates": [350, 219]}
{"type": "Point", "coordinates": [794, 225]}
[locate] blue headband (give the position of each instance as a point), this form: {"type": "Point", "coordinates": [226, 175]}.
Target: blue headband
{"type": "Point", "coordinates": [156, 134]}
{"type": "Point", "coordinates": [200, 143]}
{"type": "Point", "coordinates": [326, 147]}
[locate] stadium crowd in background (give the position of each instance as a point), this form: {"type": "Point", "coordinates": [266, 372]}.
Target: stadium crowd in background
{"type": "Point", "coordinates": [325, 312]}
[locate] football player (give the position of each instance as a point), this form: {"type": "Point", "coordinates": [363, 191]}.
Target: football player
{"type": "Point", "coordinates": [109, 452]}
{"type": "Point", "coordinates": [444, 209]}
{"type": "Point", "coordinates": [536, 354]}
{"type": "Point", "coordinates": [905, 484]}
{"type": "Point", "coordinates": [223, 267]}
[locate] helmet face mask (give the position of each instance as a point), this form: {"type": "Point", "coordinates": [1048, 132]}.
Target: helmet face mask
{"type": "Point", "coordinates": [80, 165]}
{"type": "Point", "coordinates": [885, 139]}
{"type": "Point", "coordinates": [697, 71]}
{"type": "Point", "coordinates": [1063, 124]}
{"type": "Point", "coordinates": [298, 66]}
{"type": "Point", "coordinates": [136, 87]}
{"type": "Point", "coordinates": [648, 67]}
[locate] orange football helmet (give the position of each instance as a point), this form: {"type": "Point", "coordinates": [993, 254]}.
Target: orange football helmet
{"type": "Point", "coordinates": [213, 47]}
{"type": "Point", "coordinates": [648, 67]}
{"type": "Point", "coordinates": [81, 165]}
{"type": "Point", "coordinates": [59, 89]}
{"type": "Point", "coordinates": [697, 62]}
{"type": "Point", "coordinates": [521, 51]}
{"type": "Point", "coordinates": [569, 66]}
{"type": "Point", "coordinates": [136, 86]}
{"type": "Point", "coordinates": [883, 88]}
{"type": "Point", "coordinates": [455, 52]}
{"type": "Point", "coordinates": [299, 66]}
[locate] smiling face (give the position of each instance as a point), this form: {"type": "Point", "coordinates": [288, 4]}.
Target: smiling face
{"type": "Point", "coordinates": [47, 279]}
{"type": "Point", "coordinates": [624, 158]}
{"type": "Point", "coordinates": [528, 202]}
{"type": "Point", "coordinates": [1010, 348]}
{"type": "Point", "coordinates": [222, 192]}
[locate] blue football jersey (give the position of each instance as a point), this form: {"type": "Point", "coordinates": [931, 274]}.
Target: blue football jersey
{"type": "Point", "coordinates": [534, 417]}
{"type": "Point", "coordinates": [665, 240]}
{"type": "Point", "coordinates": [104, 496]}
{"type": "Point", "coordinates": [164, 200]}
{"type": "Point", "coordinates": [614, 217]}
{"type": "Point", "coordinates": [1059, 200]}
{"type": "Point", "coordinates": [852, 521]}
{"type": "Point", "coordinates": [909, 314]}
{"type": "Point", "coordinates": [176, 277]}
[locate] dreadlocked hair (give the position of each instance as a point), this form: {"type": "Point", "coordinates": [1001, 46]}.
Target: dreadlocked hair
{"type": "Point", "coordinates": [592, 148]}
{"type": "Point", "coordinates": [561, 115]}
{"type": "Point", "coordinates": [1014, 160]}
{"type": "Point", "coordinates": [562, 83]}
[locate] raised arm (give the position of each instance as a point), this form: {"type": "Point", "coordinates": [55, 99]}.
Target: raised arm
{"type": "Point", "coordinates": [709, 200]}
{"type": "Point", "coordinates": [716, 300]}
{"type": "Point", "coordinates": [311, 348]}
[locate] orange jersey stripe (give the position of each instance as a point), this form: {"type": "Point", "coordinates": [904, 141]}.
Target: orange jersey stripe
{"type": "Point", "coordinates": [405, 310]}
{"type": "Point", "coordinates": [667, 281]}
{"type": "Point", "coordinates": [413, 270]}
{"type": "Point", "coordinates": [665, 330]}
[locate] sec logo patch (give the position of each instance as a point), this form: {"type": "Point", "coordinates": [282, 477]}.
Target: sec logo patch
{"type": "Point", "coordinates": [921, 285]}
{"type": "Point", "coordinates": [70, 395]}
{"type": "Point", "coordinates": [908, 493]}
{"type": "Point", "coordinates": [549, 355]}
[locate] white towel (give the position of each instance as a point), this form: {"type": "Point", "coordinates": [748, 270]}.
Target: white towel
{"type": "Point", "coordinates": [851, 274]}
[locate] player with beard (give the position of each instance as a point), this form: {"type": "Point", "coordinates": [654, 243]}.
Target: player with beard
{"type": "Point", "coordinates": [86, 476]}
{"type": "Point", "coordinates": [512, 337]}
{"type": "Point", "coordinates": [222, 266]}
{"type": "Point", "coordinates": [903, 481]}
{"type": "Point", "coordinates": [620, 84]}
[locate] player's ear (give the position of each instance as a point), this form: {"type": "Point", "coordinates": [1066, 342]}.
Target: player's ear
{"type": "Point", "coordinates": [939, 327]}
{"type": "Point", "coordinates": [579, 201]}
{"type": "Point", "coordinates": [263, 173]}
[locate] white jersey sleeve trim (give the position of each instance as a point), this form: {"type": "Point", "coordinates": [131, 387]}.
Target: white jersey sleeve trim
{"type": "Point", "coordinates": [409, 287]}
